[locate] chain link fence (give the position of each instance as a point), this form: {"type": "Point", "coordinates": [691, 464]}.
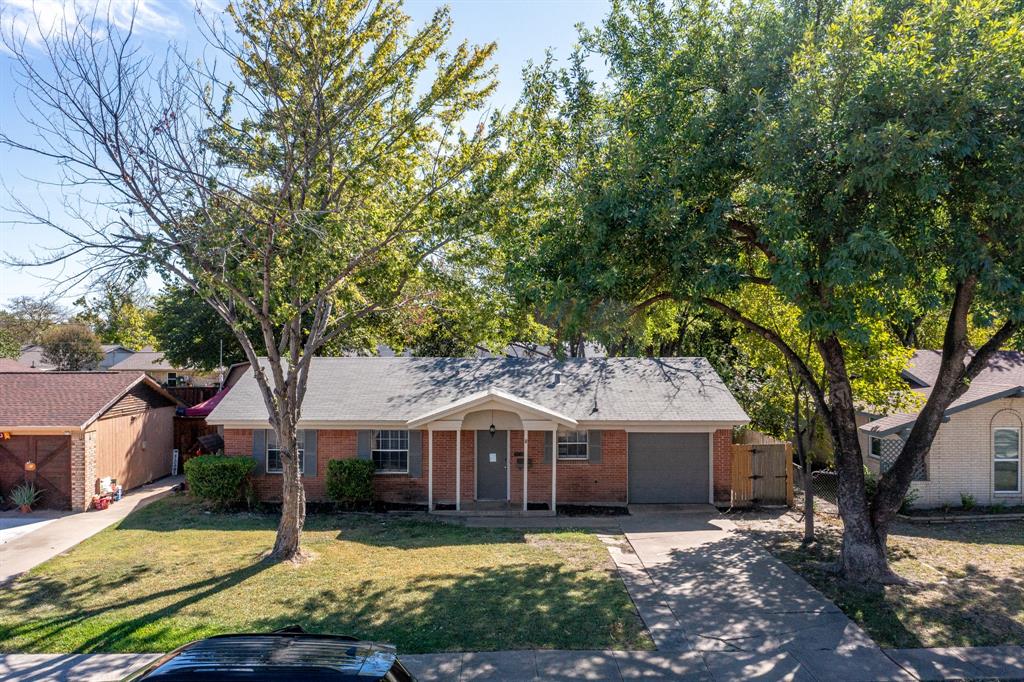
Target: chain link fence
{"type": "Point", "coordinates": [825, 484]}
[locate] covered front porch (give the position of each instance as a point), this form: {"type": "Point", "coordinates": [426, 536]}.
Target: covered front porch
{"type": "Point", "coordinates": [493, 453]}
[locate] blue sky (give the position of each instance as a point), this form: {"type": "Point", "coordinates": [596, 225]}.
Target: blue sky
{"type": "Point", "coordinates": [523, 30]}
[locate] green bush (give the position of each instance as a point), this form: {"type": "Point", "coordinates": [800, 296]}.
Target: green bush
{"type": "Point", "coordinates": [909, 500]}
{"type": "Point", "coordinates": [967, 501]}
{"type": "Point", "coordinates": [350, 481]}
{"type": "Point", "coordinates": [218, 479]}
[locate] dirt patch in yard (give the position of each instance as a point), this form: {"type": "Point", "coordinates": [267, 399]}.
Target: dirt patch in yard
{"type": "Point", "coordinates": [968, 584]}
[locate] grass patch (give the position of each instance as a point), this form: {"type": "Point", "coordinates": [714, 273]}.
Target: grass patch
{"type": "Point", "coordinates": [968, 587]}
{"type": "Point", "coordinates": [170, 573]}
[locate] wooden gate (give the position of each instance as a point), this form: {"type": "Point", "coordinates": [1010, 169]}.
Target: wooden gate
{"type": "Point", "coordinates": [762, 474]}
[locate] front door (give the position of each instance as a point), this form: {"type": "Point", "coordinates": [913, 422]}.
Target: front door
{"type": "Point", "coordinates": [491, 465]}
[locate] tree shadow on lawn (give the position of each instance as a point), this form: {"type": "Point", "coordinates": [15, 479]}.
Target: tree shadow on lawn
{"type": "Point", "coordinates": [377, 530]}
{"type": "Point", "coordinates": [43, 633]}
{"type": "Point", "coordinates": [514, 606]}
{"type": "Point", "coordinates": [972, 608]}
{"type": "Point", "coordinates": [520, 606]}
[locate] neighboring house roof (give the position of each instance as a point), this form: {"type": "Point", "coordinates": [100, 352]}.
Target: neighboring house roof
{"type": "Point", "coordinates": [70, 400]}
{"type": "Point", "coordinates": [32, 355]}
{"type": "Point", "coordinates": [401, 390]}
{"type": "Point", "coordinates": [9, 365]}
{"type": "Point", "coordinates": [234, 373]}
{"type": "Point", "coordinates": [145, 360]}
{"type": "Point", "coordinates": [1003, 377]}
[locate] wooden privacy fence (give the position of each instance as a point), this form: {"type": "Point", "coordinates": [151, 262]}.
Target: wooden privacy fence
{"type": "Point", "coordinates": [187, 431]}
{"type": "Point", "coordinates": [192, 395]}
{"type": "Point", "coordinates": [762, 474]}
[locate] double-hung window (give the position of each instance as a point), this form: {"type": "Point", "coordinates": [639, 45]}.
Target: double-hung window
{"type": "Point", "coordinates": [876, 447]}
{"type": "Point", "coordinates": [391, 452]}
{"type": "Point", "coordinates": [274, 452]}
{"type": "Point", "coordinates": [1006, 460]}
{"type": "Point", "coordinates": [572, 445]}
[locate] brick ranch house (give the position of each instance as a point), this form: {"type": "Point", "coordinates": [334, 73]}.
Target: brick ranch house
{"type": "Point", "coordinates": [454, 433]}
{"type": "Point", "coordinates": [977, 450]}
{"type": "Point", "coordinates": [79, 427]}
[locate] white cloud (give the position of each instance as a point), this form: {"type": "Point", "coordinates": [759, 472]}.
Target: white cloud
{"type": "Point", "coordinates": [34, 19]}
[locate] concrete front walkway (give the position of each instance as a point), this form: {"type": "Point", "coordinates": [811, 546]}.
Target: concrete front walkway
{"type": "Point", "coordinates": [61, 534]}
{"type": "Point", "coordinates": [702, 587]}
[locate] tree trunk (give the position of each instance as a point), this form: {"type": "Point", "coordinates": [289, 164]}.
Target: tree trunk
{"type": "Point", "coordinates": [288, 544]}
{"type": "Point", "coordinates": [805, 467]}
{"type": "Point", "coordinates": [808, 503]}
{"type": "Point", "coordinates": [863, 557]}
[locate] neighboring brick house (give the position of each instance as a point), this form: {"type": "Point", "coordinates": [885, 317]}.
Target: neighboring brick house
{"type": "Point", "coordinates": [452, 433]}
{"type": "Point", "coordinates": [78, 427]}
{"type": "Point", "coordinates": [977, 450]}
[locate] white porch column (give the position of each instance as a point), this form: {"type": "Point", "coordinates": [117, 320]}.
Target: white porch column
{"type": "Point", "coordinates": [458, 469]}
{"type": "Point", "coordinates": [430, 469]}
{"type": "Point", "coordinates": [554, 469]}
{"type": "Point", "coordinates": [526, 465]}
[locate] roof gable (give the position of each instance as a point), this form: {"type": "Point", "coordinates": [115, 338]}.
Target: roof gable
{"type": "Point", "coordinates": [69, 400]}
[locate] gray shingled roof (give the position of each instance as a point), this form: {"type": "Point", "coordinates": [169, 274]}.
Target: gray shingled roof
{"type": "Point", "coordinates": [1001, 378]}
{"type": "Point", "coordinates": [367, 389]}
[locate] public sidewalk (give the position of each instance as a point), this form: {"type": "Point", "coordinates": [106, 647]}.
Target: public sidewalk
{"type": "Point", "coordinates": [59, 535]}
{"type": "Point", "coordinates": [990, 663]}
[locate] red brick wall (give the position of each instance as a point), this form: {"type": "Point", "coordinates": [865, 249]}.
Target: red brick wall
{"type": "Point", "coordinates": [333, 444]}
{"type": "Point", "coordinates": [722, 458]}
{"type": "Point", "coordinates": [578, 482]}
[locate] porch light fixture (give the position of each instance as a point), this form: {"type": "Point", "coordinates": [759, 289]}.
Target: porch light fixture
{"type": "Point", "coordinates": [491, 428]}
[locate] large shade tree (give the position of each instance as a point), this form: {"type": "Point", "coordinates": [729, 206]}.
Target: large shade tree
{"type": "Point", "coordinates": [841, 156]}
{"type": "Point", "coordinates": [299, 178]}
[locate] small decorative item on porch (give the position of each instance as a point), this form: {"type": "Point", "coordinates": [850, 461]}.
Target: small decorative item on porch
{"type": "Point", "coordinates": [105, 485]}
{"type": "Point", "coordinates": [118, 492]}
{"type": "Point", "coordinates": [100, 502]}
{"type": "Point", "coordinates": [24, 496]}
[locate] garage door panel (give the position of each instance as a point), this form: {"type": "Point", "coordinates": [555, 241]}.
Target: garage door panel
{"type": "Point", "coordinates": [669, 468]}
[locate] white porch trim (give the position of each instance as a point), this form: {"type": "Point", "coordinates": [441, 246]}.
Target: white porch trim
{"type": "Point", "coordinates": [430, 469]}
{"type": "Point", "coordinates": [526, 466]}
{"type": "Point", "coordinates": [526, 409]}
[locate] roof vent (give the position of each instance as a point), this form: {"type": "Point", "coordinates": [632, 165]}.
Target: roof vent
{"type": "Point", "coordinates": [557, 377]}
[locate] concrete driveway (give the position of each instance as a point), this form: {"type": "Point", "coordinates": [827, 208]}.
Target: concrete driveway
{"type": "Point", "coordinates": [53, 534]}
{"type": "Point", "coordinates": [700, 585]}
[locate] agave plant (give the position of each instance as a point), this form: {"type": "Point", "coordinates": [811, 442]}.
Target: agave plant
{"type": "Point", "coordinates": [25, 495]}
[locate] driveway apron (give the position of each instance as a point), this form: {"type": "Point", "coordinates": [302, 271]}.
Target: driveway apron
{"type": "Point", "coordinates": [700, 585]}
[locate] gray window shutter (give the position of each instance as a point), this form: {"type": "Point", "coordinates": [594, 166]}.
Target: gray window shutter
{"type": "Point", "coordinates": [415, 454]}
{"type": "Point", "coordinates": [363, 448]}
{"type": "Point", "coordinates": [309, 455]}
{"type": "Point", "coordinates": [594, 446]}
{"type": "Point", "coordinates": [547, 447]}
{"type": "Point", "coordinates": [259, 450]}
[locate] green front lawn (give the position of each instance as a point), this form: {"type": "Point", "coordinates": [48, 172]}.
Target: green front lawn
{"type": "Point", "coordinates": [967, 581]}
{"type": "Point", "coordinates": [171, 573]}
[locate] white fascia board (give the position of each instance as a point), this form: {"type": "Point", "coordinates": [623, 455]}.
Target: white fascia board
{"type": "Point", "coordinates": [464, 405]}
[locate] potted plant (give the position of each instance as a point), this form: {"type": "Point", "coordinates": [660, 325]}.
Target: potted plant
{"type": "Point", "coordinates": [24, 496]}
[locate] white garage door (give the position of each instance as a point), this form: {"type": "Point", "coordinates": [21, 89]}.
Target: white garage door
{"type": "Point", "coordinates": [669, 468]}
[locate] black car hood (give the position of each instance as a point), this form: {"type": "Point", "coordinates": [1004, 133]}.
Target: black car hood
{"type": "Point", "coordinates": [276, 656]}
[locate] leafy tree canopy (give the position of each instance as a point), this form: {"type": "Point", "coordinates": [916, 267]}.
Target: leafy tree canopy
{"type": "Point", "coordinates": [71, 347]}
{"type": "Point", "coordinates": [118, 315]}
